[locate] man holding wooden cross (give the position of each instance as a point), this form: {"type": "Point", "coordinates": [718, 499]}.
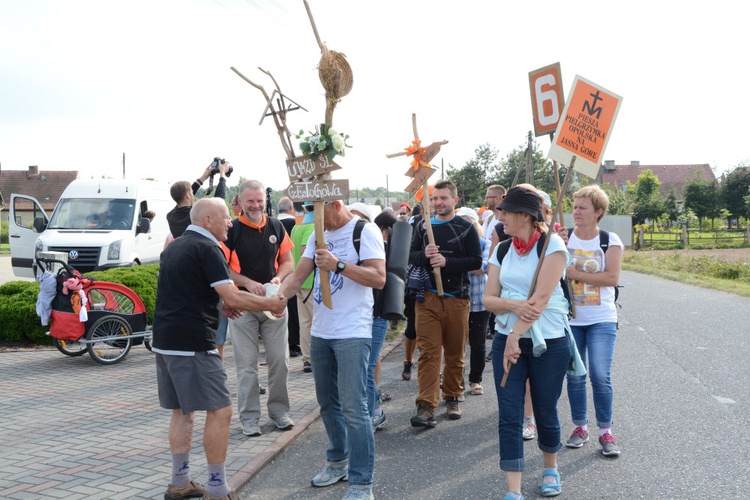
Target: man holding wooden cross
{"type": "Point", "coordinates": [443, 321]}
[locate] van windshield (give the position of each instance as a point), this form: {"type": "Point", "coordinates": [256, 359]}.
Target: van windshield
{"type": "Point", "coordinates": [93, 213]}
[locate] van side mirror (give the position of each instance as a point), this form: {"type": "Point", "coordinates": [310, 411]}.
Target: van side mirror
{"type": "Point", "coordinates": [40, 224]}
{"type": "Point", "coordinates": [144, 225]}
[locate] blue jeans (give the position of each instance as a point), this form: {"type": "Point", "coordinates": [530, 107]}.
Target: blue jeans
{"type": "Point", "coordinates": [379, 329]}
{"type": "Point", "coordinates": [343, 407]}
{"type": "Point", "coordinates": [597, 343]}
{"type": "Point", "coordinates": [545, 374]}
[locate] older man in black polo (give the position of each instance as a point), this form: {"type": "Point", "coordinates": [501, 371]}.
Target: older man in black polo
{"type": "Point", "coordinates": [193, 278]}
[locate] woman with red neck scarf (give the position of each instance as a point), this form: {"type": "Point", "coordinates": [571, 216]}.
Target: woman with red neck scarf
{"type": "Point", "coordinates": [531, 337]}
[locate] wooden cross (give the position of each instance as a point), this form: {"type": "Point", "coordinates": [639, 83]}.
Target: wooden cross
{"type": "Point", "coordinates": [420, 172]}
{"type": "Point", "coordinates": [336, 77]}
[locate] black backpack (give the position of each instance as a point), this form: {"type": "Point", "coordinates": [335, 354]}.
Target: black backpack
{"type": "Point", "coordinates": [503, 247]}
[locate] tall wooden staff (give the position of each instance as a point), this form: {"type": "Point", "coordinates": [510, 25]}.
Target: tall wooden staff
{"type": "Point", "coordinates": [336, 77]}
{"type": "Point", "coordinates": [420, 171]}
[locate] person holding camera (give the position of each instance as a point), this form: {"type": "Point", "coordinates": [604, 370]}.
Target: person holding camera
{"type": "Point", "coordinates": [183, 194]}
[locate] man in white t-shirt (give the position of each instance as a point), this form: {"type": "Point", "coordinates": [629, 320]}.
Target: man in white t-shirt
{"type": "Point", "coordinates": [340, 343]}
{"type": "Point", "coordinates": [494, 196]}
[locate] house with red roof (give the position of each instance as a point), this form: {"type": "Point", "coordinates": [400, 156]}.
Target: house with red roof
{"type": "Point", "coordinates": [46, 186]}
{"type": "Point", "coordinates": [671, 176]}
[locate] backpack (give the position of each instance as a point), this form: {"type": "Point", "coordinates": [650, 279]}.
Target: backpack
{"type": "Point", "coordinates": [503, 247]}
{"type": "Point", "coordinates": [604, 245]}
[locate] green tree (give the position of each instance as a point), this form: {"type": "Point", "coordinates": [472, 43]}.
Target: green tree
{"type": "Point", "coordinates": [702, 197]}
{"type": "Point", "coordinates": [620, 201]}
{"type": "Point", "coordinates": [648, 203]}
{"type": "Point", "coordinates": [734, 188]}
{"type": "Point", "coordinates": [670, 207]}
{"type": "Point", "coordinates": [515, 165]}
{"type": "Point", "coordinates": [472, 179]}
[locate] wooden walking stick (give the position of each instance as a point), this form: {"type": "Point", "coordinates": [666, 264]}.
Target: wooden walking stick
{"type": "Point", "coordinates": [337, 79]}
{"type": "Point", "coordinates": [420, 171]}
{"type": "Point", "coordinates": [544, 250]}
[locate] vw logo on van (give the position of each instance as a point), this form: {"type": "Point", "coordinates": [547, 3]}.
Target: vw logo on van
{"type": "Point", "coordinates": [73, 254]}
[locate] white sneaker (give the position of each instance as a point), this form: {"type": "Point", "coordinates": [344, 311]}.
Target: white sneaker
{"type": "Point", "coordinates": [332, 473]}
{"type": "Point", "coordinates": [251, 428]}
{"type": "Point", "coordinates": [529, 428]}
{"type": "Point", "coordinates": [283, 423]}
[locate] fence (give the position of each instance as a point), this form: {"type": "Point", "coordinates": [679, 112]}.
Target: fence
{"type": "Point", "coordinates": [687, 238]}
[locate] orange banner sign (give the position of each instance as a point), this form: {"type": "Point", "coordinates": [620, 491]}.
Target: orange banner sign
{"type": "Point", "coordinates": [547, 99]}
{"type": "Point", "coordinates": [585, 127]}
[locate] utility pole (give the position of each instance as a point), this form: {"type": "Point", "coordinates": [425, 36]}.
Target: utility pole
{"type": "Point", "coordinates": [386, 191]}
{"type": "Point", "coordinates": [123, 165]}
{"type": "Point", "coordinates": [442, 169]}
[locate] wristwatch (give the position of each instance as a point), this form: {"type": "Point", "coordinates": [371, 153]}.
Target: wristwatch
{"type": "Point", "coordinates": [340, 266]}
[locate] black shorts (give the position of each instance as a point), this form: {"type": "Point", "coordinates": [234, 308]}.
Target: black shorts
{"type": "Point", "coordinates": [192, 383]}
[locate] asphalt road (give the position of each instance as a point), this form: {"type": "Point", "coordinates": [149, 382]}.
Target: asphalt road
{"type": "Point", "coordinates": [6, 271]}
{"type": "Point", "coordinates": [681, 418]}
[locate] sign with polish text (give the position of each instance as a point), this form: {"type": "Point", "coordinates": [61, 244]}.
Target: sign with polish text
{"type": "Point", "coordinates": [318, 190]}
{"type": "Point", "coordinates": [585, 126]}
{"type": "Point", "coordinates": [304, 167]}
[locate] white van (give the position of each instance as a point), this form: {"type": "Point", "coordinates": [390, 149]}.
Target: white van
{"type": "Point", "coordinates": [99, 224]}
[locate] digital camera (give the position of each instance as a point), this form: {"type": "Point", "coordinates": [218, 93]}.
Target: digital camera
{"type": "Point", "coordinates": [215, 166]}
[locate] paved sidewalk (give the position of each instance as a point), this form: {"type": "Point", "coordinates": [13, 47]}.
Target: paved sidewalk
{"type": "Point", "coordinates": [73, 429]}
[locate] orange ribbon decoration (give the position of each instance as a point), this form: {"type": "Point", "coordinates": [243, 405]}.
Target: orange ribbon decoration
{"type": "Point", "coordinates": [416, 151]}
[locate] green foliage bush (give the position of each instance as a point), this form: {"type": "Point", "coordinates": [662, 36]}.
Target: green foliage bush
{"type": "Point", "coordinates": [19, 322]}
{"type": "Point", "coordinates": [703, 265]}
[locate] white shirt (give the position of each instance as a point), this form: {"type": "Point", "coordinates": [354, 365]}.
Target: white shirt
{"type": "Point", "coordinates": [351, 316]}
{"type": "Point", "coordinates": [593, 304]}
{"type": "Point", "coordinates": [488, 228]}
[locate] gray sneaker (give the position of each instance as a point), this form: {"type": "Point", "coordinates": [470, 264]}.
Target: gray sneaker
{"type": "Point", "coordinates": [379, 421]}
{"type": "Point", "coordinates": [251, 428]}
{"type": "Point", "coordinates": [578, 438]}
{"type": "Point", "coordinates": [283, 423]}
{"type": "Point", "coordinates": [359, 493]}
{"type": "Point", "coordinates": [609, 445]}
{"type": "Point", "coordinates": [332, 473]}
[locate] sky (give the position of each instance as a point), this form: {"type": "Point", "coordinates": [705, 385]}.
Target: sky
{"type": "Point", "coordinates": [86, 81]}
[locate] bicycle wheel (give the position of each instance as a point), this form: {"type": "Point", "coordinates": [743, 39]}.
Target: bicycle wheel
{"type": "Point", "coordinates": [111, 342]}
{"type": "Point", "coordinates": [70, 347]}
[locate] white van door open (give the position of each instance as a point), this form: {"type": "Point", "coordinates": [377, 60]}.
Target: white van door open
{"type": "Point", "coordinates": [26, 220]}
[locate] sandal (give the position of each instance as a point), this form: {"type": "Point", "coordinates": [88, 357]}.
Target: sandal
{"type": "Point", "coordinates": [476, 389]}
{"type": "Point", "coordinates": [551, 488]}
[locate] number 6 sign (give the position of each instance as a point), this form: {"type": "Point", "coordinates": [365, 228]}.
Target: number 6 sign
{"type": "Point", "coordinates": [547, 100]}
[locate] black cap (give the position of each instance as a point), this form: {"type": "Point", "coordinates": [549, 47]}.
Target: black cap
{"type": "Point", "coordinates": [519, 199]}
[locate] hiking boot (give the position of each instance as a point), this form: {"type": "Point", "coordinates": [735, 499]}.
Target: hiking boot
{"type": "Point", "coordinates": [192, 490]}
{"type": "Point", "coordinates": [359, 493]}
{"type": "Point", "coordinates": [454, 410]}
{"type": "Point", "coordinates": [406, 373]}
{"type": "Point", "coordinates": [529, 428]}
{"type": "Point", "coordinates": [251, 428]}
{"type": "Point", "coordinates": [609, 445]}
{"type": "Point", "coordinates": [379, 421]}
{"type": "Point", "coordinates": [425, 417]}
{"type": "Point", "coordinates": [332, 473]}
{"type": "Point", "coordinates": [283, 422]}
{"type": "Point", "coordinates": [307, 367]}
{"type": "Point", "coordinates": [578, 438]}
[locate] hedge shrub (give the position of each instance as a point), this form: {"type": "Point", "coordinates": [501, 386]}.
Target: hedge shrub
{"type": "Point", "coordinates": [19, 322]}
